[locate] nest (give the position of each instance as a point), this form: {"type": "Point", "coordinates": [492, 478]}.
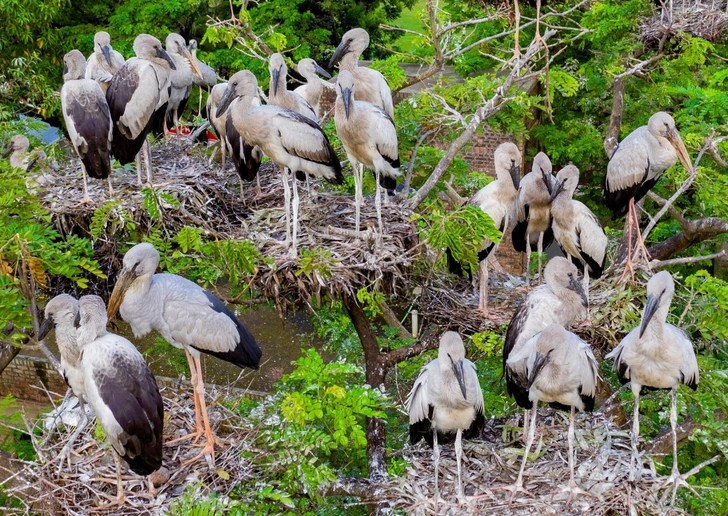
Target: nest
{"type": "Point", "coordinates": [705, 19]}
{"type": "Point", "coordinates": [90, 483]}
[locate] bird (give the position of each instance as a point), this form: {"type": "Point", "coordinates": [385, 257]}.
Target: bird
{"type": "Point", "coordinates": [182, 78]}
{"type": "Point", "coordinates": [446, 398]}
{"type": "Point", "coordinates": [137, 97]}
{"type": "Point", "coordinates": [532, 214]}
{"type": "Point", "coordinates": [496, 199]}
{"type": "Point", "coordinates": [656, 355]}
{"type": "Point", "coordinates": [185, 315]}
{"type": "Point", "coordinates": [88, 121]}
{"type": "Point", "coordinates": [217, 122]}
{"type": "Point", "coordinates": [636, 164]}
{"type": "Point", "coordinates": [62, 313]}
{"type": "Point", "coordinates": [208, 76]}
{"type": "Point", "coordinates": [292, 141]}
{"type": "Point", "coordinates": [123, 392]}
{"type": "Point", "coordinates": [369, 138]}
{"type": "Point", "coordinates": [278, 94]}
{"type": "Point", "coordinates": [17, 148]}
{"type": "Point", "coordinates": [576, 229]}
{"type": "Point", "coordinates": [559, 368]}
{"type": "Point", "coordinates": [372, 87]}
{"type": "Point", "coordinates": [104, 62]}
{"type": "Point", "coordinates": [314, 87]}
{"type": "Point", "coordinates": [560, 300]}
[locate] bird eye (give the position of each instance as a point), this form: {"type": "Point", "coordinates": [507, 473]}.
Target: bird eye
{"type": "Point", "coordinates": [571, 275]}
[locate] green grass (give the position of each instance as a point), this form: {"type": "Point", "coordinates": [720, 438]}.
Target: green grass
{"type": "Point", "coordinates": [409, 19]}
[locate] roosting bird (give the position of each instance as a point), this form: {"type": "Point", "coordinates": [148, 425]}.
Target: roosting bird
{"type": "Point", "coordinates": [446, 398]}
{"type": "Point", "coordinates": [88, 120]}
{"type": "Point", "coordinates": [561, 300]}
{"type": "Point", "coordinates": [371, 86]}
{"type": "Point", "coordinates": [104, 62]}
{"type": "Point", "coordinates": [532, 211]}
{"type": "Point", "coordinates": [635, 166]}
{"type": "Point", "coordinates": [122, 391]}
{"type": "Point", "coordinates": [217, 122]}
{"type": "Point", "coordinates": [657, 355]}
{"type": "Point", "coordinates": [559, 368]}
{"type": "Point", "coordinates": [185, 315]}
{"type": "Point", "coordinates": [314, 87]}
{"type": "Point", "coordinates": [278, 94]}
{"type": "Point", "coordinates": [370, 139]}
{"type": "Point", "coordinates": [576, 229]}
{"type": "Point", "coordinates": [208, 76]}
{"type": "Point", "coordinates": [291, 140]}
{"type": "Point", "coordinates": [17, 148]}
{"type": "Point", "coordinates": [182, 78]}
{"type": "Point", "coordinates": [496, 199]}
{"type": "Point", "coordinates": [137, 97]}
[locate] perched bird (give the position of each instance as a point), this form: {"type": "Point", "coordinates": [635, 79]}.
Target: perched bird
{"type": "Point", "coordinates": [576, 228]}
{"type": "Point", "coordinates": [104, 62]}
{"type": "Point", "coordinates": [17, 148]}
{"type": "Point", "coordinates": [559, 368]}
{"type": "Point", "coordinates": [137, 97]}
{"type": "Point", "coordinates": [122, 391]}
{"type": "Point", "coordinates": [217, 122]}
{"type": "Point", "coordinates": [292, 141]}
{"type": "Point", "coordinates": [278, 94]}
{"type": "Point", "coordinates": [208, 76]}
{"type": "Point", "coordinates": [656, 355]}
{"type": "Point", "coordinates": [370, 139]}
{"type": "Point", "coordinates": [185, 315]}
{"type": "Point", "coordinates": [88, 120]}
{"type": "Point", "coordinates": [182, 78]}
{"type": "Point", "coordinates": [532, 211]}
{"type": "Point", "coordinates": [446, 398]}
{"type": "Point", "coordinates": [314, 87]}
{"type": "Point", "coordinates": [371, 85]}
{"type": "Point", "coordinates": [496, 199]}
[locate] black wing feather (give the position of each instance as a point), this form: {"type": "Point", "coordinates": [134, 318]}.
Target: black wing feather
{"type": "Point", "coordinates": [91, 120]}
{"type": "Point", "coordinates": [246, 164]}
{"type": "Point", "coordinates": [516, 386]}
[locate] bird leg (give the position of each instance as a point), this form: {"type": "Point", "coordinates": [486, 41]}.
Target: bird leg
{"type": "Point", "coordinates": [518, 486]}
{"type": "Point", "coordinates": [296, 206]}
{"type": "Point", "coordinates": [198, 425]}
{"type": "Point", "coordinates": [525, 426]}
{"type": "Point", "coordinates": [436, 457]}
{"type": "Point", "coordinates": [586, 290]}
{"type": "Point", "coordinates": [139, 156]}
{"type": "Point", "coordinates": [121, 498]}
{"type": "Point", "coordinates": [176, 125]}
{"type": "Point", "coordinates": [572, 488]}
{"type": "Point", "coordinates": [287, 201]}
{"type": "Point", "coordinates": [148, 152]}
{"type": "Point", "coordinates": [358, 177]}
{"type": "Point", "coordinates": [528, 258]}
{"type": "Point", "coordinates": [111, 188]}
{"type": "Point", "coordinates": [209, 447]}
{"type": "Point", "coordinates": [223, 149]}
{"type": "Point", "coordinates": [378, 205]}
{"type": "Point", "coordinates": [483, 293]}
{"type": "Point", "coordinates": [86, 199]}
{"type": "Point", "coordinates": [635, 437]}
{"type": "Point", "coordinates": [517, 45]}
{"type": "Point", "coordinates": [458, 457]}
{"type": "Point", "coordinates": [539, 249]}
{"type": "Point", "coordinates": [675, 480]}
{"type": "Point", "coordinates": [633, 225]}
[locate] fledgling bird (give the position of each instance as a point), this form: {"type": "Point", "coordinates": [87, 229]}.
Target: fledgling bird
{"type": "Point", "coordinates": [314, 87]}
{"type": "Point", "coordinates": [104, 62]}
{"type": "Point", "coordinates": [446, 398]}
{"type": "Point", "coordinates": [278, 94]}
{"type": "Point", "coordinates": [17, 149]}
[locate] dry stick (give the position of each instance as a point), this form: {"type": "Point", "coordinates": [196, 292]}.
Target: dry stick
{"type": "Point", "coordinates": [659, 264]}
{"type": "Point", "coordinates": [410, 168]}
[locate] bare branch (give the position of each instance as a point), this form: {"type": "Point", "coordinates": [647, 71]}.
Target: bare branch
{"type": "Point", "coordinates": [673, 211]}
{"type": "Point", "coordinates": [453, 194]}
{"type": "Point", "coordinates": [410, 168]}
{"type": "Point", "coordinates": [659, 264]}
{"type": "Point", "coordinates": [715, 152]}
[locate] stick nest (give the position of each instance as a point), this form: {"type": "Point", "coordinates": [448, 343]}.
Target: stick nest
{"type": "Point", "coordinates": [707, 19]}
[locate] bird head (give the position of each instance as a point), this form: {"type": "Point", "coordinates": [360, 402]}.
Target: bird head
{"type": "Point", "coordinates": [150, 48]}
{"type": "Point", "coordinates": [452, 355]}
{"type": "Point", "coordinates": [662, 125]}
{"type": "Point", "coordinates": [102, 43]}
{"type": "Point", "coordinates": [243, 84]}
{"type": "Point", "coordinates": [140, 261]}
{"type": "Point", "coordinates": [561, 276]}
{"type": "Point", "coordinates": [62, 309]}
{"type": "Point", "coordinates": [176, 44]}
{"type": "Point", "coordinates": [308, 68]}
{"type": "Point", "coordinates": [92, 317]}
{"type": "Point", "coordinates": [19, 142]}
{"type": "Point", "coordinates": [507, 157]}
{"type": "Point", "coordinates": [566, 181]}
{"type": "Point", "coordinates": [277, 67]}
{"type": "Point", "coordinates": [354, 41]}
{"type": "Point", "coordinates": [345, 89]}
{"type": "Point", "coordinates": [74, 65]}
{"type": "Point", "coordinates": [660, 290]}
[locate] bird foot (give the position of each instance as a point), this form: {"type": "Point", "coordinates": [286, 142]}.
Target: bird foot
{"type": "Point", "coordinates": [85, 201]}
{"type": "Point", "coordinates": [120, 500]}
{"type": "Point", "coordinates": [514, 489]}
{"type": "Point", "coordinates": [195, 436]}
{"type": "Point", "coordinates": [62, 457]}
{"type": "Point", "coordinates": [675, 481]}
{"type": "Point", "coordinates": [207, 449]}
{"type": "Point", "coordinates": [573, 489]}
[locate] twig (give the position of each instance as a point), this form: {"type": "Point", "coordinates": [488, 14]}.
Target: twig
{"type": "Point", "coordinates": [659, 264]}
{"type": "Point", "coordinates": [413, 158]}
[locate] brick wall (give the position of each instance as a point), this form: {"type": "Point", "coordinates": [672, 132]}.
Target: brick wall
{"type": "Point", "coordinates": [28, 378]}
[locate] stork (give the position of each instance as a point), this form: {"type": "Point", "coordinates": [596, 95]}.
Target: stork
{"type": "Point", "coordinates": [122, 391]}
{"type": "Point", "coordinates": [292, 141]}
{"type": "Point", "coordinates": [446, 398]}
{"type": "Point", "coordinates": [371, 86]}
{"type": "Point", "coordinates": [217, 122]}
{"type": "Point", "coordinates": [314, 87]}
{"type": "Point", "coordinates": [576, 228]}
{"type": "Point", "coordinates": [635, 166]}
{"type": "Point", "coordinates": [181, 78]}
{"type": "Point", "coordinates": [88, 121]}
{"type": "Point", "coordinates": [496, 199]}
{"type": "Point", "coordinates": [138, 94]}
{"type": "Point", "coordinates": [369, 138]}
{"type": "Point", "coordinates": [208, 76]}
{"type": "Point", "coordinates": [532, 213]}
{"type": "Point", "coordinates": [104, 62]}
{"type": "Point", "coordinates": [278, 94]}
{"type": "Point", "coordinates": [556, 367]}
{"type": "Point", "coordinates": [656, 355]}
{"type": "Point", "coordinates": [561, 300]}
{"type": "Point", "coordinates": [17, 148]}
{"type": "Point", "coordinates": [185, 315]}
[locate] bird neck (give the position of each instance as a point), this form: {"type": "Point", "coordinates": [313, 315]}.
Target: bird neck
{"type": "Point", "coordinates": [349, 62]}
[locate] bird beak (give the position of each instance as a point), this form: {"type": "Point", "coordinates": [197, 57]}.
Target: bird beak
{"type": "Point", "coordinates": [538, 364]}
{"type": "Point", "coordinates": [515, 175]}
{"type": "Point", "coordinates": [65, 69]}
{"type": "Point", "coordinates": [674, 137]}
{"type": "Point", "coordinates": [164, 55]}
{"type": "Point", "coordinates": [126, 278]}
{"type": "Point", "coordinates": [340, 52]}
{"type": "Point", "coordinates": [457, 368]}
{"type": "Point", "coordinates": [650, 308]}
{"type": "Point", "coordinates": [347, 101]}
{"type": "Point", "coordinates": [45, 328]}
{"type": "Point", "coordinates": [193, 62]}
{"type": "Point", "coordinates": [323, 72]}
{"type": "Point", "coordinates": [225, 101]}
{"type": "Point", "coordinates": [547, 179]}
{"type": "Point", "coordinates": [576, 287]}
{"type": "Point", "coordinates": [106, 50]}
{"type": "Point", "coordinates": [276, 74]}
{"type": "Point", "coordinates": [10, 147]}
{"type": "Point", "coordinates": [556, 191]}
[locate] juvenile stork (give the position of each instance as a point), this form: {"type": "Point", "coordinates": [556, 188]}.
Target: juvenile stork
{"type": "Point", "coordinates": [656, 355]}
{"type": "Point", "coordinates": [532, 211]}
{"type": "Point", "coordinates": [576, 229]}
{"type": "Point", "coordinates": [559, 368]}
{"type": "Point", "coordinates": [278, 94]}
{"type": "Point", "coordinates": [138, 95]}
{"type": "Point", "coordinates": [371, 86]}
{"type": "Point", "coordinates": [292, 141]}
{"type": "Point", "coordinates": [635, 166]}
{"type": "Point", "coordinates": [104, 62]}
{"type": "Point", "coordinates": [561, 300]}
{"type": "Point", "coordinates": [185, 315]}
{"type": "Point", "coordinates": [88, 121]}
{"type": "Point", "coordinates": [17, 148]}
{"type": "Point", "coordinates": [446, 398]}
{"type": "Point", "coordinates": [182, 78]}
{"type": "Point", "coordinates": [122, 391]}
{"type": "Point", "coordinates": [314, 87]}
{"type": "Point", "coordinates": [369, 138]}
{"type": "Point", "coordinates": [208, 76]}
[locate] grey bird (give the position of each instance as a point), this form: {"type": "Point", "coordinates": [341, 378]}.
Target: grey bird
{"type": "Point", "coordinates": [182, 78]}
{"type": "Point", "coordinates": [88, 120]}
{"type": "Point", "coordinates": [314, 87]}
{"type": "Point", "coordinates": [122, 391]}
{"type": "Point", "coordinates": [278, 94]}
{"type": "Point", "coordinates": [558, 368]}
{"type": "Point", "coordinates": [17, 149]}
{"type": "Point", "coordinates": [656, 355]}
{"type": "Point", "coordinates": [371, 85]}
{"type": "Point", "coordinates": [104, 62]}
{"type": "Point", "coordinates": [446, 398]}
{"type": "Point", "coordinates": [208, 76]}
{"type": "Point", "coordinates": [185, 315]}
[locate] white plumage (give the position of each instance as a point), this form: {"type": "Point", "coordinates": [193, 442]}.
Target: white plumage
{"type": "Point", "coordinates": [17, 148]}
{"type": "Point", "coordinates": [314, 87]}
{"type": "Point", "coordinates": [104, 62]}
{"type": "Point", "coordinates": [182, 78]}
{"type": "Point", "coordinates": [278, 94]}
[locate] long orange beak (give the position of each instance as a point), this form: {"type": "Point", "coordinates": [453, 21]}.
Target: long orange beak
{"type": "Point", "coordinates": [674, 137]}
{"type": "Point", "coordinates": [193, 62]}
{"type": "Point", "coordinates": [126, 278]}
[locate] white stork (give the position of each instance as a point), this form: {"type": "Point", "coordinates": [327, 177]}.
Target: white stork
{"type": "Point", "coordinates": [104, 62]}
{"type": "Point", "coordinates": [185, 315]}
{"type": "Point", "coordinates": [314, 87]}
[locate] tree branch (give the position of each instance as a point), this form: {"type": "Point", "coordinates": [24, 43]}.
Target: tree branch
{"type": "Point", "coordinates": [697, 231]}
{"type": "Point", "coordinates": [659, 264]}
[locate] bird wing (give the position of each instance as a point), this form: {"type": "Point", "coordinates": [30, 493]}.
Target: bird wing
{"type": "Point", "coordinates": [382, 127]}
{"type": "Point", "coordinates": [302, 137]}
{"type": "Point", "coordinates": [591, 240]}
{"type": "Point", "coordinates": [133, 96]}
{"type": "Point", "coordinates": [589, 367]}
{"type": "Point", "coordinates": [472, 380]}
{"type": "Point", "coordinates": [617, 355]}
{"type": "Point", "coordinates": [689, 363]}
{"type": "Point", "coordinates": [117, 61]}
{"type": "Point", "coordinates": [87, 115]}
{"type": "Point", "coordinates": [418, 401]}
{"type": "Point", "coordinates": [628, 172]}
